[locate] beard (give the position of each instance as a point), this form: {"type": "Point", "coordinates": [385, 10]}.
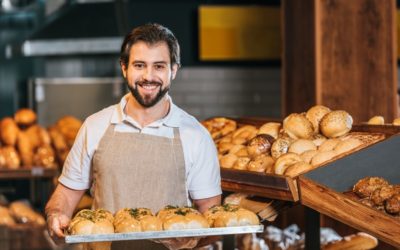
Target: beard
{"type": "Point", "coordinates": [146, 100]}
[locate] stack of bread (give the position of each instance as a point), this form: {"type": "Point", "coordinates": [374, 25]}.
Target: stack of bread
{"type": "Point", "coordinates": [20, 212]}
{"type": "Point", "coordinates": [24, 143]}
{"type": "Point", "coordinates": [63, 134]}
{"type": "Point", "coordinates": [302, 142]}
{"type": "Point", "coordinates": [378, 193]}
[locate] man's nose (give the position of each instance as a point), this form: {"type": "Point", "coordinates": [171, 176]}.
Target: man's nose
{"type": "Point", "coordinates": [148, 74]}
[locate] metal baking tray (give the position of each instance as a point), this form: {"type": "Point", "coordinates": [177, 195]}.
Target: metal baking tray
{"type": "Point", "coordinates": [164, 234]}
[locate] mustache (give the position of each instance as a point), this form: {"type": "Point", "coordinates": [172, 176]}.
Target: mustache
{"type": "Point", "coordinates": [141, 83]}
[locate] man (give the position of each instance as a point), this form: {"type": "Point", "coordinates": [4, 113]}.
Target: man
{"type": "Point", "coordinates": [144, 151]}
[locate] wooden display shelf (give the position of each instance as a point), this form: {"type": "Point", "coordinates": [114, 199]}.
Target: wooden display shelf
{"type": "Point", "coordinates": [323, 188]}
{"type": "Point", "coordinates": [279, 186]}
{"type": "Point", "coordinates": [27, 173]}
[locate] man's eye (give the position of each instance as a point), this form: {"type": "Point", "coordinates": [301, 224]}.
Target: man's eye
{"type": "Point", "coordinates": [138, 66]}
{"type": "Point", "coordinates": [159, 67]}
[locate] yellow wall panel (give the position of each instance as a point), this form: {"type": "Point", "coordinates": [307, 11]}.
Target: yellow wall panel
{"type": "Point", "coordinates": [239, 33]}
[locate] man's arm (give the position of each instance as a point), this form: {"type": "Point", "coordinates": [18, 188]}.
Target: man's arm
{"type": "Point", "coordinates": [203, 204]}
{"type": "Point", "coordinates": [60, 207]}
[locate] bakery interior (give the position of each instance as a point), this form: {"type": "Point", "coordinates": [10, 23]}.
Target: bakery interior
{"type": "Point", "coordinates": [247, 67]}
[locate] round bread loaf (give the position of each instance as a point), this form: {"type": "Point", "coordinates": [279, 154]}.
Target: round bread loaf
{"type": "Point", "coordinates": [229, 215]}
{"type": "Point", "coordinates": [315, 114]}
{"type": "Point", "coordinates": [261, 144]}
{"type": "Point", "coordinates": [336, 123]}
{"type": "Point", "coordinates": [270, 128]}
{"type": "Point", "coordinates": [396, 122]}
{"type": "Point", "coordinates": [329, 145]}
{"type": "Point", "coordinates": [297, 126]}
{"type": "Point", "coordinates": [227, 161]}
{"type": "Point", "coordinates": [25, 117]}
{"type": "Point", "coordinates": [280, 147]}
{"type": "Point", "coordinates": [184, 218]}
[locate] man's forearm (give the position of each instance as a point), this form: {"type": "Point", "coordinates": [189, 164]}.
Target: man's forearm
{"type": "Point", "coordinates": [203, 204]}
{"type": "Point", "coordinates": [63, 201]}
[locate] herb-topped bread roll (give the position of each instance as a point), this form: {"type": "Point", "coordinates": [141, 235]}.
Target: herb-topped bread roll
{"type": "Point", "coordinates": [89, 221]}
{"type": "Point", "coordinates": [136, 220]}
{"type": "Point", "coordinates": [174, 218]}
{"type": "Point", "coordinates": [230, 216]}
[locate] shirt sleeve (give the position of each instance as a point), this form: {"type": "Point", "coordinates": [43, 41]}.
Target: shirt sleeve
{"type": "Point", "coordinates": [76, 169]}
{"type": "Point", "coordinates": [204, 179]}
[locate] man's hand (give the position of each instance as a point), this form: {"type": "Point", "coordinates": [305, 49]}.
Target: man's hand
{"type": "Point", "coordinates": [180, 243]}
{"type": "Point", "coordinates": [56, 223]}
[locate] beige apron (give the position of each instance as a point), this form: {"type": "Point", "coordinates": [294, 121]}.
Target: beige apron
{"type": "Point", "coordinates": [138, 170]}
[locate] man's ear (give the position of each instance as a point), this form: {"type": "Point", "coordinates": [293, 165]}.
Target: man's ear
{"type": "Point", "coordinates": [174, 71]}
{"type": "Point", "coordinates": [123, 69]}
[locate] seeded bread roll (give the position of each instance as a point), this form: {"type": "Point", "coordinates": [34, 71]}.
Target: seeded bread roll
{"type": "Point", "coordinates": [261, 144]}
{"type": "Point", "coordinates": [297, 126]}
{"type": "Point", "coordinates": [280, 147]}
{"type": "Point", "coordinates": [315, 114]}
{"type": "Point", "coordinates": [336, 123]}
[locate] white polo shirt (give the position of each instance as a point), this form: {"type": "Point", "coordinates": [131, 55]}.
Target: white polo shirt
{"type": "Point", "coordinates": [201, 162]}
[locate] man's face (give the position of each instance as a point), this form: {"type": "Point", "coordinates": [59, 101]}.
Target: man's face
{"type": "Point", "coordinates": [149, 72]}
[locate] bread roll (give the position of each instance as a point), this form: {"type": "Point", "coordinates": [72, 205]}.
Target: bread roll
{"type": "Point", "coordinates": [261, 144]}
{"type": "Point", "coordinates": [227, 161]}
{"type": "Point", "coordinates": [224, 147]}
{"type": "Point", "coordinates": [69, 127]}
{"type": "Point", "coordinates": [347, 145]}
{"type": "Point", "coordinates": [366, 186]}
{"type": "Point", "coordinates": [376, 120]}
{"type": "Point", "coordinates": [308, 155]}
{"type": "Point", "coordinates": [318, 139]}
{"type": "Point", "coordinates": [336, 123]}
{"type": "Point", "coordinates": [237, 148]}
{"type": "Point", "coordinates": [392, 205]}
{"type": "Point", "coordinates": [24, 213]}
{"type": "Point", "coordinates": [359, 241]}
{"type": "Point", "coordinates": [230, 216]}
{"type": "Point", "coordinates": [25, 117]}
{"type": "Point", "coordinates": [297, 168]}
{"type": "Point", "coordinates": [11, 157]}
{"type": "Point", "coordinates": [5, 217]}
{"type": "Point", "coordinates": [315, 114]}
{"type": "Point", "coordinates": [396, 122]}
{"type": "Point", "coordinates": [241, 163]}
{"type": "Point", "coordinates": [38, 136]}
{"type": "Point", "coordinates": [242, 152]}
{"type": "Point", "coordinates": [8, 131]}
{"type": "Point", "coordinates": [136, 220]}
{"type": "Point", "coordinates": [301, 145]}
{"type": "Point", "coordinates": [284, 161]}
{"type": "Point", "coordinates": [297, 126]}
{"type": "Point", "coordinates": [184, 218]}
{"type": "Point", "coordinates": [25, 149]}
{"type": "Point", "coordinates": [280, 147]}
{"type": "Point", "coordinates": [45, 157]}
{"type": "Point", "coordinates": [261, 163]}
{"type": "Point", "coordinates": [270, 128]}
{"type": "Point", "coordinates": [89, 221]}
{"type": "Point", "coordinates": [329, 145]}
{"type": "Point", "coordinates": [380, 195]}
{"type": "Point", "coordinates": [322, 157]}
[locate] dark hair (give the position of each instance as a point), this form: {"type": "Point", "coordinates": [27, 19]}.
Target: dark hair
{"type": "Point", "coordinates": [151, 33]}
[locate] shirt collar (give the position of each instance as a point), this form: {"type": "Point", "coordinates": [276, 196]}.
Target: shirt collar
{"type": "Point", "coordinates": [171, 120]}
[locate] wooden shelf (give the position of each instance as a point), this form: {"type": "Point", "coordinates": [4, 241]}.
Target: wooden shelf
{"type": "Point", "coordinates": [28, 173]}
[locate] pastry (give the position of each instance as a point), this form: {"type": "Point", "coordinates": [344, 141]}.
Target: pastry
{"type": "Point", "coordinates": [366, 186]}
